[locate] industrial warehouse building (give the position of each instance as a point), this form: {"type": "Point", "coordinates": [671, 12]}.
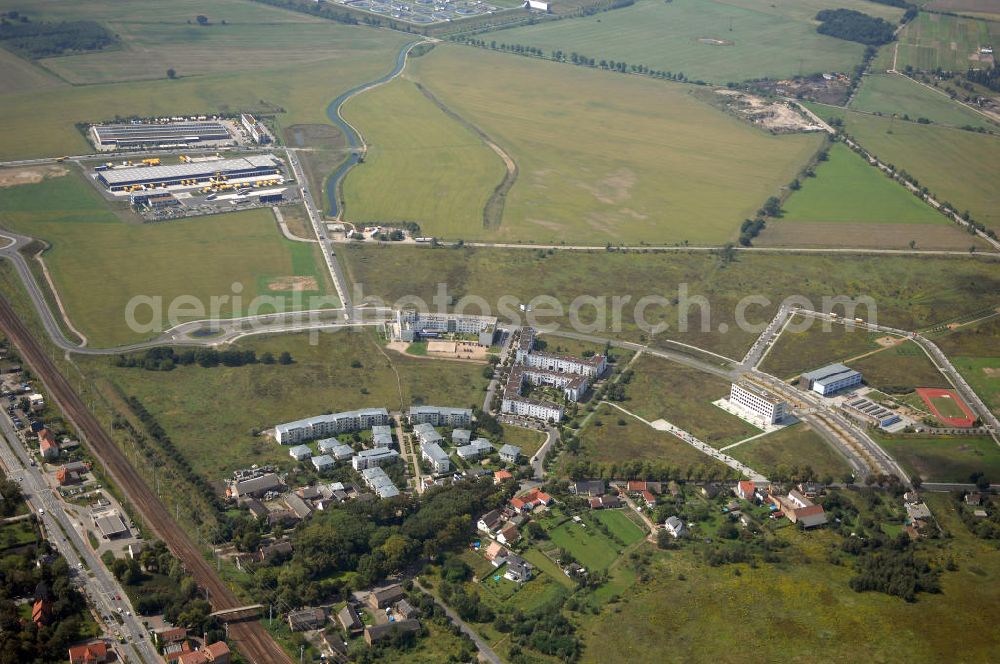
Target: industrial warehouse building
{"type": "Point", "coordinates": [159, 134]}
{"type": "Point", "coordinates": [830, 379]}
{"type": "Point", "coordinates": [120, 179]}
{"type": "Point", "coordinates": [758, 401]}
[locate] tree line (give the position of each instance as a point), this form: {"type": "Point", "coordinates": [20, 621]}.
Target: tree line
{"type": "Point", "coordinates": [166, 359]}
{"type": "Point", "coordinates": [44, 39]}
{"type": "Point", "coordinates": [855, 26]}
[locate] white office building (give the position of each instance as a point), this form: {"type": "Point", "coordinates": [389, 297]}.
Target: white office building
{"type": "Point", "coordinates": [441, 416]}
{"type": "Point", "coordinates": [758, 401]}
{"type": "Point", "coordinates": [434, 455]}
{"type": "Point", "coordinates": [830, 379]}
{"type": "Point", "coordinates": [374, 457]}
{"type": "Point", "coordinates": [311, 428]}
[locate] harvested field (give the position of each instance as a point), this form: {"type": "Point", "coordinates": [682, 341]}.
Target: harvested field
{"type": "Point", "coordinates": [15, 177]}
{"type": "Point", "coordinates": [293, 284]}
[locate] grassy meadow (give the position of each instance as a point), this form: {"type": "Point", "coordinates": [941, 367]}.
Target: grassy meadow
{"type": "Point", "coordinates": [786, 451]}
{"type": "Point", "coordinates": [910, 293]}
{"type": "Point", "coordinates": [957, 166]}
{"type": "Point", "coordinates": [905, 365]}
{"type": "Point", "coordinates": [601, 157]}
{"type": "Point", "coordinates": [952, 43]}
{"type": "Point", "coordinates": [206, 411]}
{"type": "Point", "coordinates": [20, 75]}
{"type": "Point", "coordinates": [944, 459]}
{"type": "Point", "coordinates": [447, 172]}
{"type": "Point", "coordinates": [683, 396]}
{"type": "Point", "coordinates": [759, 39]}
{"type": "Point", "coordinates": [99, 261]}
{"type": "Point", "coordinates": [983, 376]}
{"type": "Point", "coordinates": [893, 94]}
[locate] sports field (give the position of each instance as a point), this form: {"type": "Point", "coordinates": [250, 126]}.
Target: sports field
{"type": "Point", "coordinates": [792, 452]}
{"type": "Point", "coordinates": [99, 262]}
{"type": "Point", "coordinates": [712, 40]}
{"type": "Point", "coordinates": [910, 293]}
{"type": "Point", "coordinates": [445, 170]}
{"type": "Point", "coordinates": [947, 406]}
{"type": "Point", "coordinates": [952, 43]}
{"type": "Point", "coordinates": [601, 157]}
{"type": "Point", "coordinates": [895, 94]}
{"type": "Point", "coordinates": [848, 189]}
{"type": "Point", "coordinates": [808, 344]}
{"type": "Point", "coordinates": [195, 404]}
{"type": "Point", "coordinates": [958, 166]}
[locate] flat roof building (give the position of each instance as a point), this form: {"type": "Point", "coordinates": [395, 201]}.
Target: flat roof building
{"type": "Point", "coordinates": [434, 455]}
{"type": "Point", "coordinates": [118, 179]}
{"type": "Point", "coordinates": [510, 453]}
{"type": "Point", "coordinates": [830, 379]}
{"type": "Point", "coordinates": [145, 134]}
{"type": "Point", "coordinates": [411, 325]}
{"type": "Point", "coordinates": [310, 428]}
{"type": "Point", "coordinates": [758, 401]}
{"type": "Point", "coordinates": [379, 482]}
{"type": "Point", "coordinates": [374, 457]}
{"type": "Point", "coordinates": [474, 450]}
{"type": "Point", "coordinates": [441, 416]}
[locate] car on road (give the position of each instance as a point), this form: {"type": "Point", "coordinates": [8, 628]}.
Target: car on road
{"type": "Point", "coordinates": [41, 512]}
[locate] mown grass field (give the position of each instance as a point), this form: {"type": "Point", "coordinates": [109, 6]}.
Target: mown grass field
{"type": "Point", "coordinates": [808, 344]}
{"type": "Point", "coordinates": [20, 75]}
{"type": "Point", "coordinates": [263, 60]}
{"type": "Point", "coordinates": [604, 440]}
{"type": "Point", "coordinates": [910, 293]}
{"type": "Point", "coordinates": [781, 453]}
{"type": "Point", "coordinates": [904, 365]}
{"type": "Point", "coordinates": [99, 262]}
{"type": "Point", "coordinates": [601, 157]}
{"type": "Point", "coordinates": [893, 94]}
{"type": "Point", "coordinates": [439, 170]}
{"type": "Point", "coordinates": [766, 40]}
{"type": "Point", "coordinates": [958, 166]}
{"type": "Point", "coordinates": [801, 611]}
{"type": "Point", "coordinates": [944, 459]}
{"type": "Point", "coordinates": [205, 410]}
{"type": "Point", "coordinates": [683, 396]}
{"type": "Point", "coordinates": [952, 43]}
{"type": "Point", "coordinates": [850, 190]}
{"type": "Point", "coordinates": [583, 541]}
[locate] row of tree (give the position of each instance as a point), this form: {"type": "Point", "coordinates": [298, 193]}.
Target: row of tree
{"type": "Point", "coordinates": [165, 358]}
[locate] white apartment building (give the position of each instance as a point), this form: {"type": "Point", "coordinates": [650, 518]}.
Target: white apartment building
{"type": "Point", "coordinates": [379, 482]}
{"type": "Point", "coordinates": [525, 407]}
{"type": "Point", "coordinates": [440, 416]}
{"type": "Point", "coordinates": [474, 450]}
{"type": "Point", "coordinates": [374, 457]}
{"type": "Point", "coordinates": [434, 455]}
{"type": "Point", "coordinates": [758, 401]}
{"type": "Point", "coordinates": [588, 366]}
{"type": "Point", "coordinates": [319, 426]}
{"type": "Point", "coordinates": [411, 325]}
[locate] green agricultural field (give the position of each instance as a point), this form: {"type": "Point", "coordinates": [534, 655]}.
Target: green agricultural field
{"type": "Point", "coordinates": [438, 169]}
{"type": "Point", "coordinates": [958, 166]}
{"type": "Point", "coordinates": [803, 611]}
{"type": "Point", "coordinates": [42, 122]}
{"type": "Point", "coordinates": [952, 43]}
{"type": "Point", "coordinates": [205, 410]}
{"type": "Point", "coordinates": [595, 164]}
{"type": "Point", "coordinates": [683, 396]}
{"type": "Point", "coordinates": [903, 366]}
{"type": "Point", "coordinates": [605, 441]}
{"type": "Point", "coordinates": [983, 376]}
{"type": "Point", "coordinates": [808, 344]}
{"type": "Point", "coordinates": [789, 451]}
{"type": "Point", "coordinates": [910, 293]}
{"type": "Point", "coordinates": [99, 262]}
{"type": "Point", "coordinates": [943, 459]}
{"type": "Point", "coordinates": [850, 190]}
{"type": "Point", "coordinates": [986, 9]}
{"type": "Point", "coordinates": [717, 41]}
{"type": "Point", "coordinates": [894, 94]}
{"type": "Point", "coordinates": [20, 75]}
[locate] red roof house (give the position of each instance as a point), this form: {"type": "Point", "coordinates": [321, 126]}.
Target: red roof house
{"type": "Point", "coordinates": [89, 653]}
{"type": "Point", "coordinates": [502, 476]}
{"type": "Point", "coordinates": [744, 490]}
{"type": "Point", "coordinates": [649, 498]}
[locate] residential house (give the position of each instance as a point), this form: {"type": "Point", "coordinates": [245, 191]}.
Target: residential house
{"type": "Point", "coordinates": [675, 526]}
{"type": "Point", "coordinates": [745, 490]}
{"type": "Point", "coordinates": [349, 620]}
{"type": "Point", "coordinates": [975, 499]}
{"type": "Point", "coordinates": [530, 500]}
{"type": "Point", "coordinates": [406, 609]}
{"type": "Point", "coordinates": [510, 453]}
{"type": "Point", "coordinates": [300, 452]}
{"type": "Point", "coordinates": [380, 598]}
{"type": "Point", "coordinates": [496, 554]}
{"type": "Point", "coordinates": [89, 653]}
{"type": "Point", "coordinates": [489, 522]}
{"type": "Point", "coordinates": [277, 551]}
{"type": "Point", "coordinates": [502, 476]}
{"type": "Point", "coordinates": [810, 489]}
{"type": "Point", "coordinates": [376, 633]}
{"type": "Point", "coordinates": [605, 502]}
{"type": "Point", "coordinates": [518, 569]}
{"type": "Point", "coordinates": [47, 445]}
{"type": "Point", "coordinates": [508, 534]}
{"type": "Point", "coordinates": [323, 462]}
{"type": "Point", "coordinates": [589, 488]}
{"type": "Point", "coordinates": [172, 635]}
{"type": "Point", "coordinates": [257, 487]}
{"type": "Point", "coordinates": [460, 437]}
{"type": "Point", "coordinates": [711, 490]}
{"type": "Point", "coordinates": [71, 473]}
{"type": "Point", "coordinates": [217, 653]}
{"type": "Point", "coordinates": [306, 619]}
{"type": "Point", "coordinates": [649, 498]}
{"type": "Point", "coordinates": [282, 517]}
{"type": "Point", "coordinates": [298, 506]}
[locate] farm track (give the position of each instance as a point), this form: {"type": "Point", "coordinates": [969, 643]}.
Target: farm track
{"type": "Point", "coordinates": [493, 210]}
{"type": "Point", "coordinates": [250, 637]}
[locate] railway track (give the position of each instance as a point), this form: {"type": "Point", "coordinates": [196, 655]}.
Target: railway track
{"type": "Point", "coordinates": [250, 638]}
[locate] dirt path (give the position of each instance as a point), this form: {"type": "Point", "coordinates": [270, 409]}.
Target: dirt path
{"type": "Point", "coordinates": [493, 210]}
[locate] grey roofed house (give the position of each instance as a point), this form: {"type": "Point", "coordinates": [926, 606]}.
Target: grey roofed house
{"type": "Point", "coordinates": [518, 569]}
{"type": "Point", "coordinates": [406, 609]}
{"type": "Point", "coordinates": [382, 439]}
{"type": "Point", "coordinates": [349, 620]}
{"type": "Point", "coordinates": [298, 506]}
{"type": "Point", "coordinates": [381, 428]}
{"type": "Point", "coordinates": [590, 488]}
{"type": "Point", "coordinates": [510, 453]}
{"type": "Point", "coordinates": [300, 452]}
{"type": "Point", "coordinates": [305, 619]}
{"type": "Point", "coordinates": [675, 526]}
{"type": "Point", "coordinates": [811, 518]}
{"type": "Point", "coordinates": [489, 521]}
{"type": "Point", "coordinates": [258, 486]}
{"type": "Point", "coordinates": [256, 507]}
{"type": "Point", "coordinates": [461, 437]}
{"type": "Point", "coordinates": [309, 492]}
{"type": "Point", "coordinates": [426, 433]}
{"type": "Point", "coordinates": [323, 462]}
{"type": "Point", "coordinates": [474, 450]}
{"type": "Point", "coordinates": [338, 450]}
{"type": "Point", "coordinates": [379, 598]}
{"type": "Point", "coordinates": [376, 633]}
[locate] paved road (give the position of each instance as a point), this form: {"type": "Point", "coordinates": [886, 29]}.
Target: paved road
{"type": "Point", "coordinates": [486, 653]}
{"type": "Point", "coordinates": [99, 584]}
{"type": "Point", "coordinates": [538, 460]}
